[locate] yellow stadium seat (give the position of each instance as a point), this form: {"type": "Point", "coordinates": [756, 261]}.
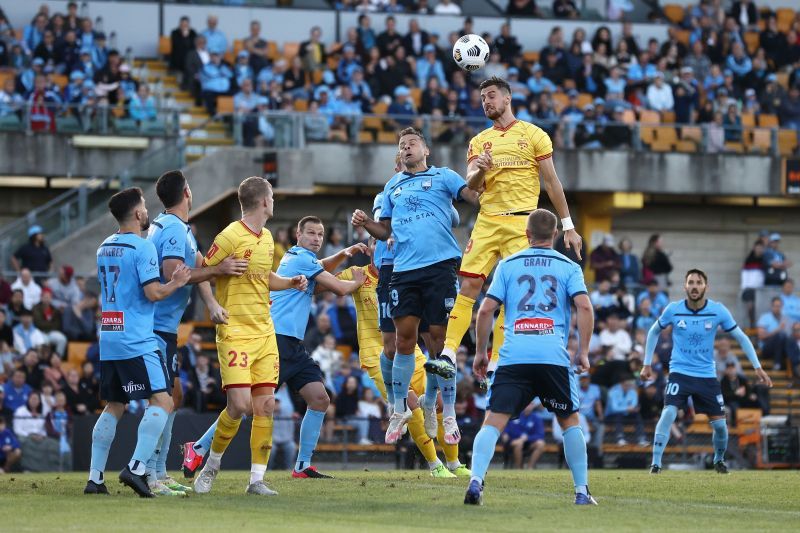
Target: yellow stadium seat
{"type": "Point", "coordinates": [290, 50]}
{"type": "Point", "coordinates": [531, 56]}
{"type": "Point", "coordinates": [416, 96]}
{"type": "Point", "coordinates": [184, 330]}
{"type": "Point", "coordinates": [647, 134]}
{"type": "Point", "coordinates": [751, 40]}
{"type": "Point", "coordinates": [387, 137]}
{"type": "Point", "coordinates": [734, 147]}
{"type": "Point", "coordinates": [666, 135]}
{"type": "Point", "coordinates": [272, 50]}
{"type": "Point", "coordinates": [785, 17]}
{"type": "Point", "coordinates": [658, 146]}
{"type": "Point", "coordinates": [649, 117]}
{"type": "Point", "coordinates": [674, 13]}
{"type": "Point", "coordinates": [164, 45]}
{"type": "Point", "coordinates": [783, 79]}
{"type": "Point", "coordinates": [692, 133]}
{"type": "Point", "coordinates": [366, 137]}
{"type": "Point", "coordinates": [380, 108]}
{"type": "Point", "coordinates": [372, 123]}
{"type": "Point", "coordinates": [761, 140]}
{"type": "Point", "coordinates": [628, 116]}
{"type": "Point", "coordinates": [686, 146]}
{"type": "Point", "coordinates": [768, 121]}
{"type": "Point", "coordinates": [683, 36]}
{"type": "Point", "coordinates": [238, 46]}
{"type": "Point", "coordinates": [748, 119]}
{"type": "Point", "coordinates": [76, 353]}
{"type": "Point", "coordinates": [224, 104]}
{"type": "Point", "coordinates": [668, 117]}
{"type": "Point", "coordinates": [787, 142]}
{"type": "Point", "coordinates": [560, 101]}
{"type": "Point", "coordinates": [301, 105]}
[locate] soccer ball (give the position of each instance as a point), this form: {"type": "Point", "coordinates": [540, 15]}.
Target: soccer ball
{"type": "Point", "coordinates": [470, 52]}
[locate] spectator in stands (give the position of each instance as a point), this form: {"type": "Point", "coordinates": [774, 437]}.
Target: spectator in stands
{"type": "Point", "coordinates": [507, 44]}
{"type": "Point", "coordinates": [53, 372]}
{"type": "Point", "coordinates": [47, 319]}
{"type": "Point", "coordinates": [447, 7]}
{"type": "Point", "coordinates": [723, 357]}
{"type": "Point", "coordinates": [256, 47]}
{"type": "Point", "coordinates": [34, 33]}
{"type": "Point", "coordinates": [205, 385]}
{"type": "Point", "coordinates": [524, 435]}
{"type": "Point", "coordinates": [430, 67]}
{"type": "Point", "coordinates": [242, 70]}
{"type": "Point", "coordinates": [658, 298]}
{"type": "Point", "coordinates": [698, 61]}
{"type": "Point", "coordinates": [347, 409]}
{"type": "Point", "coordinates": [327, 356]}
{"type": "Point", "coordinates": [603, 299]}
{"type": "Point", "coordinates": [775, 262]}
{"type": "Point", "coordinates": [80, 319]}
{"type": "Point", "coordinates": [77, 401]}
{"type": "Point", "coordinates": [744, 12]}
{"type": "Point", "coordinates": [10, 100]}
{"type": "Point", "coordinates": [591, 407]}
{"type": "Point", "coordinates": [604, 260]}
{"type": "Point", "coordinates": [99, 51]}
{"type": "Point", "coordinates": [142, 107]}
{"type": "Point", "coordinates": [182, 41]}
{"type": "Point", "coordinates": [789, 110]}
{"type": "Point", "coordinates": [39, 454]}
{"type": "Point", "coordinates": [659, 95]}
{"type": "Point", "coordinates": [623, 406]}
{"type": "Point", "coordinates": [15, 307]}
{"type": "Point", "coordinates": [312, 52]}
{"type": "Point", "coordinates": [402, 105]}
{"type": "Point", "coordinates": [10, 452]}
{"type": "Point", "coordinates": [317, 333]}
{"type": "Point", "coordinates": [537, 83]}
{"type": "Point", "coordinates": [752, 278]}
{"type": "Point", "coordinates": [217, 42]}
{"type": "Point", "coordinates": [738, 62]}
{"type": "Point", "coordinates": [34, 372]}
{"type": "Point", "coordinates": [791, 302]}
{"type": "Point", "coordinates": [615, 336]}
{"type": "Point", "coordinates": [26, 335]}
{"type": "Point", "coordinates": [773, 328]}
{"type": "Point", "coordinates": [215, 81]}
{"type": "Point", "coordinates": [86, 34]}
{"type": "Point", "coordinates": [245, 103]}
{"type": "Point", "coordinates": [6, 333]}
{"type": "Point", "coordinates": [617, 134]}
{"type": "Point", "coordinates": [343, 321]}
{"type": "Point", "coordinates": [644, 318]}
{"type": "Point", "coordinates": [793, 352]}
{"type": "Point", "coordinates": [629, 267]}
{"type": "Point", "coordinates": [315, 124]}
{"type": "Point", "coordinates": [523, 8]}
{"type": "Point", "coordinates": [46, 49]}
{"type": "Point", "coordinates": [389, 39]}
{"type": "Point", "coordinates": [58, 425]}
{"type": "Point", "coordinates": [283, 444]}
{"type": "Point", "coordinates": [6, 413]}
{"type": "Point", "coordinates": [65, 290]}
{"type": "Point", "coordinates": [196, 59]}
{"type": "Point", "coordinates": [656, 264]}
{"type": "Point", "coordinates": [565, 9]}
{"type": "Point", "coordinates": [31, 291]}
{"type": "Point", "coordinates": [16, 391]}
{"type": "Point", "coordinates": [737, 393]}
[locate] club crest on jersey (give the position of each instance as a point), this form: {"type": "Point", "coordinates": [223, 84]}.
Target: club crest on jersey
{"type": "Point", "coordinates": [522, 143]}
{"type": "Point", "coordinates": [247, 253]}
{"type": "Point", "coordinates": [708, 325]}
{"type": "Point", "coordinates": [397, 192]}
{"type": "Point", "coordinates": [682, 324]}
{"type": "Point", "coordinates": [487, 146]}
{"type": "Point", "coordinates": [534, 326]}
{"type": "Point", "coordinates": [172, 241]}
{"type": "Point", "coordinates": [426, 185]}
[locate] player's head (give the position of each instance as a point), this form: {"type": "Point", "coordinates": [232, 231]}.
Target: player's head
{"type": "Point", "coordinates": [255, 196]}
{"type": "Point", "coordinates": [696, 283]}
{"type": "Point", "coordinates": [173, 189]}
{"type": "Point", "coordinates": [412, 147]}
{"type": "Point", "coordinates": [542, 228]}
{"type": "Point", "coordinates": [495, 97]}
{"type": "Point", "coordinates": [128, 206]}
{"type": "Point", "coordinates": [310, 233]}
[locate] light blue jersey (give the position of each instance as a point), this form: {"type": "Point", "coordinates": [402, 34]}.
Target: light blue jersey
{"type": "Point", "coordinates": [125, 264]}
{"type": "Point", "coordinates": [693, 334]}
{"type": "Point", "coordinates": [420, 208]}
{"type": "Point", "coordinates": [291, 308]}
{"type": "Point", "coordinates": [536, 286]}
{"type": "Point", "coordinates": [383, 255]}
{"type": "Point", "coordinates": [791, 306]}
{"type": "Point", "coordinates": [173, 239]}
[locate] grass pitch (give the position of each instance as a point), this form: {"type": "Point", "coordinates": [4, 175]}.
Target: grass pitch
{"type": "Point", "coordinates": [411, 500]}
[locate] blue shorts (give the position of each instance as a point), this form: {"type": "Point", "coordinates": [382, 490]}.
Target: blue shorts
{"type": "Point", "coordinates": [513, 387]}
{"type": "Point", "coordinates": [138, 378]}
{"type": "Point", "coordinates": [297, 369]}
{"type": "Point", "coordinates": [385, 322]}
{"type": "Point", "coordinates": [427, 293]}
{"type": "Point", "coordinates": [706, 394]}
{"type": "Point", "coordinates": [168, 345]}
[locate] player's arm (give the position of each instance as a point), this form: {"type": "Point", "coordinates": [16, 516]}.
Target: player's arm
{"type": "Point", "coordinates": [483, 326]}
{"type": "Point", "coordinates": [750, 351]}
{"type": "Point", "coordinates": [218, 314]}
{"type": "Point", "coordinates": [380, 229]}
{"type": "Point", "coordinates": [279, 283]}
{"type": "Point", "coordinates": [340, 287]}
{"type": "Point", "coordinates": [476, 171]}
{"type": "Point", "coordinates": [230, 266]}
{"type": "Point", "coordinates": [547, 172]}
{"type": "Point", "coordinates": [585, 311]}
{"type": "Point", "coordinates": [155, 291]}
{"type": "Point", "coordinates": [331, 263]}
{"type": "Point", "coordinates": [649, 350]}
{"type": "Point", "coordinates": [470, 196]}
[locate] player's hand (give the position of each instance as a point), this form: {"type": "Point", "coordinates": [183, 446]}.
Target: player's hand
{"type": "Point", "coordinates": [583, 363]}
{"type": "Point", "coordinates": [231, 266]}
{"type": "Point", "coordinates": [358, 248]}
{"type": "Point", "coordinates": [763, 377]}
{"type": "Point", "coordinates": [359, 276]}
{"type": "Point", "coordinates": [484, 161]}
{"type": "Point", "coordinates": [359, 219]}
{"type": "Point", "coordinates": [572, 241]}
{"type": "Point", "coordinates": [181, 275]}
{"type": "Point", "coordinates": [480, 364]}
{"type": "Point", "coordinates": [219, 315]}
{"type": "Point", "coordinates": [300, 283]}
{"type": "Point", "coordinates": [646, 373]}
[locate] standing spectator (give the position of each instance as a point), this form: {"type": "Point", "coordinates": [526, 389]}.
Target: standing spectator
{"type": "Point", "coordinates": [217, 42]}
{"type": "Point", "coordinates": [772, 333]}
{"type": "Point", "coordinates": [16, 391]}
{"type": "Point", "coordinates": [630, 269]}
{"type": "Point", "coordinates": [369, 408]}
{"type": "Point", "coordinates": [744, 12]}
{"type": "Point", "coordinates": [65, 290]}
{"type": "Point", "coordinates": [190, 351]}
{"type": "Point", "coordinates": [80, 319]}
{"type": "Point", "coordinates": [447, 7]}
{"type": "Point", "coordinates": [775, 262]}
{"type": "Point", "coordinates": [34, 374]}
{"type": "Point", "coordinates": [195, 60]}
{"type": "Point", "coordinates": [523, 8]}
{"type": "Point", "coordinates": [347, 409]}
{"type": "Point", "coordinates": [591, 407]}
{"type": "Point", "coordinates": [26, 335]}
{"type": "Point", "coordinates": [565, 9]}
{"type": "Point", "coordinates": [283, 444]}
{"type": "Point", "coordinates": [623, 406]}
{"type": "Point", "coordinates": [793, 352]}
{"type": "Point", "coordinates": [617, 338]}
{"type": "Point", "coordinates": [659, 94]}
{"type": "Point", "coordinates": [507, 44]}
{"type": "Point", "coordinates": [205, 385]}
{"type": "Point", "coordinates": [416, 39]}
{"type": "Point", "coordinates": [523, 435]}
{"type": "Point", "coordinates": [182, 39]}
{"type": "Point", "coordinates": [656, 264]}
{"type": "Point", "coordinates": [771, 39]}
{"type": "Point", "coordinates": [789, 110]}
{"type": "Point", "coordinates": [33, 33]}
{"type": "Point", "coordinates": [315, 124]}
{"type": "Point", "coordinates": [31, 291]}
{"type": "Point", "coordinates": [33, 255]}
{"type": "Point", "coordinates": [723, 356]}
{"type": "Point", "coordinates": [752, 278]}
{"type": "Point", "coordinates": [10, 452]}
{"type": "Point", "coordinates": [256, 47]}
{"type": "Point", "coordinates": [791, 302]}
{"type": "Point", "coordinates": [312, 51]}
{"type": "Point", "coordinates": [389, 39]}
{"type": "Point", "coordinates": [47, 319]}
{"type": "Point", "coordinates": [215, 81]}
{"type": "Point", "coordinates": [366, 35]}
{"type": "Point", "coordinates": [38, 455]}
{"type": "Point", "coordinates": [604, 260]}
{"type": "Point", "coordinates": [58, 425]}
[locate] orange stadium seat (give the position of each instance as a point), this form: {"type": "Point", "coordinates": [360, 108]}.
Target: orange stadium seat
{"type": "Point", "coordinates": [531, 56]}
{"type": "Point", "coordinates": [61, 80]}
{"type": "Point", "coordinates": [761, 140]}
{"type": "Point", "coordinates": [666, 135]}
{"type": "Point", "coordinates": [224, 104]}
{"type": "Point", "coordinates": [560, 101]}
{"type": "Point", "coordinates": [380, 108]}
{"type": "Point", "coordinates": [783, 79]}
{"type": "Point", "coordinates": [76, 353]}
{"type": "Point", "coordinates": [272, 50]}
{"type": "Point", "coordinates": [668, 117]}
{"type": "Point", "coordinates": [674, 13]}
{"type": "Point", "coordinates": [164, 45]}
{"type": "Point", "coordinates": [734, 147]}
{"type": "Point", "coordinates": [238, 46]}
{"type": "Point", "coordinates": [683, 36]}
{"type": "Point", "coordinates": [785, 18]}
{"type": "Point", "coordinates": [301, 105]}
{"type": "Point", "coordinates": [584, 98]}
{"type": "Point", "coordinates": [649, 117]}
{"type": "Point", "coordinates": [647, 134]}
{"type": "Point", "coordinates": [290, 50]}
{"type": "Point", "coordinates": [748, 119]}
{"type": "Point", "coordinates": [416, 96]}
{"type": "Point", "coordinates": [768, 121]}
{"type": "Point", "coordinates": [387, 137]}
{"type": "Point", "coordinates": [628, 116]}
{"type": "Point", "coordinates": [366, 137]}
{"type": "Point", "coordinates": [787, 142]}
{"type": "Point", "coordinates": [751, 39]}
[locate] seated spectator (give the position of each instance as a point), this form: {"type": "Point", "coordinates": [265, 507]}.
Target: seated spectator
{"type": "Point", "coordinates": [16, 391]}
{"type": "Point", "coordinates": [64, 289]}
{"type": "Point", "coordinates": [80, 319]}
{"type": "Point", "coordinates": [215, 80]}
{"type": "Point", "coordinates": [7, 359]}
{"type": "Point", "coordinates": [658, 299]}
{"type": "Point", "coordinates": [90, 385]}
{"type": "Point", "coordinates": [775, 262]}
{"type": "Point", "coordinates": [793, 352]}
{"type": "Point", "coordinates": [588, 133]}
{"type": "Point", "coordinates": [86, 33]}
{"type": "Point", "coordinates": [34, 371]}
{"type": "Point", "coordinates": [315, 124]}
{"type": "Point", "coordinates": [283, 444]}
{"type": "Point", "coordinates": [242, 70]}
{"type": "Point", "coordinates": [10, 100]}
{"type": "Point", "coordinates": [295, 79]}
{"type": "Point", "coordinates": [645, 318]}
{"type": "Point", "coordinates": [789, 110]}
{"type": "Point", "coordinates": [737, 393]}
{"type": "Point", "coordinates": [205, 385]}
{"type": "Point", "coordinates": [99, 52]}
{"type": "Point", "coordinates": [31, 291]}
{"type": "Point", "coordinates": [347, 409]}
{"type": "Point", "coordinates": [791, 301]}
{"type": "Point", "coordinates": [524, 435]}
{"type": "Point", "coordinates": [10, 452]}
{"type": "Point", "coordinates": [623, 406]}
{"type": "Point", "coordinates": [537, 83]}
{"type": "Point", "coordinates": [182, 39]}
{"type": "Point", "coordinates": [142, 106]}
{"type": "Point", "coordinates": [772, 333]}
{"type": "Point", "coordinates": [58, 425]}
{"type": "Point", "coordinates": [651, 402]}
{"type": "Point", "coordinates": [723, 356]}
{"type": "Point", "coordinates": [39, 454]}
{"type": "Point", "coordinates": [328, 357]}
{"type": "Point", "coordinates": [615, 336]}
{"type": "Point", "coordinates": [47, 319]}
{"type": "Point", "coordinates": [733, 125]}
{"type": "Point", "coordinates": [33, 33]}
{"type": "Point", "coordinates": [196, 59]}
{"type": "Point", "coordinates": [604, 260]}
{"type": "Point", "coordinates": [371, 408]}
{"type": "Point", "coordinates": [603, 299]}
{"type": "Point", "coordinates": [659, 95]}
{"type": "Point", "coordinates": [217, 42]}
{"type": "Point", "coordinates": [128, 85]}
{"type": "Point", "coordinates": [447, 7]}
{"type": "Point", "coordinates": [107, 79]}
{"type": "Point", "coordinates": [76, 398]}
{"type": "Point", "coordinates": [26, 335]}
{"type": "Point", "coordinates": [429, 66]}
{"type": "Point", "coordinates": [245, 103]}
{"type": "Point", "coordinates": [617, 134]}
{"type": "Point", "coordinates": [316, 334]}
{"type": "Point", "coordinates": [54, 373]}
{"type": "Point", "coordinates": [347, 64]}
{"type": "Point", "coordinates": [6, 413]}
{"type": "Point", "coordinates": [523, 8]}
{"type": "Point", "coordinates": [591, 408]}
{"type": "Point", "coordinates": [402, 105]}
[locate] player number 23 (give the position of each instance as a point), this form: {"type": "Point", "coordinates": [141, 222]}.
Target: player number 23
{"type": "Point", "coordinates": [233, 355]}
{"type": "Point", "coordinates": [550, 284]}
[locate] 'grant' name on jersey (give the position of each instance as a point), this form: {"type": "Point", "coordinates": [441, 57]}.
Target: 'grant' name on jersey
{"type": "Point", "coordinates": [538, 262]}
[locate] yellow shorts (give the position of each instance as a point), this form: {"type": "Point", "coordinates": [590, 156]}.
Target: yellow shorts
{"type": "Point", "coordinates": [417, 380]}
{"type": "Point", "coordinates": [493, 237]}
{"type": "Point", "coordinates": [252, 363]}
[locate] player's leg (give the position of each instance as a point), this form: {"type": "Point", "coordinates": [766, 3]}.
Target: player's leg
{"type": "Point", "coordinates": [106, 426]}
{"type": "Point", "coordinates": [402, 373]}
{"type": "Point", "coordinates": [317, 399]}
{"type": "Point", "coordinates": [376, 375]}
{"type": "Point", "coordinates": [576, 457]}
{"type": "Point", "coordinates": [263, 399]}
{"type": "Point", "coordinates": [166, 437]}
{"type": "Point", "coordinates": [675, 398]}
{"type": "Point", "coordinates": [707, 399]}
{"type": "Point", "coordinates": [482, 453]}
{"type": "Point", "coordinates": [387, 362]}
{"type": "Point", "coordinates": [430, 401]}
{"type": "Point", "coordinates": [416, 426]}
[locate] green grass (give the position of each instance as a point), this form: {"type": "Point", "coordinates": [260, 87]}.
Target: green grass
{"type": "Point", "coordinates": [406, 500]}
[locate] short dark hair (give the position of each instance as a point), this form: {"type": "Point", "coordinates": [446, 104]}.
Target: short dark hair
{"type": "Point", "coordinates": [122, 203]}
{"type": "Point", "coordinates": [184, 18]}
{"type": "Point", "coordinates": [307, 220]}
{"type": "Point", "coordinates": [170, 186]}
{"type": "Point", "coordinates": [496, 81]}
{"type": "Point", "coordinates": [251, 191]}
{"type": "Point", "coordinates": [412, 131]}
{"type": "Point", "coordinates": [698, 272]}
{"type": "Point", "coordinates": [772, 301]}
{"type": "Point", "coordinates": [542, 224]}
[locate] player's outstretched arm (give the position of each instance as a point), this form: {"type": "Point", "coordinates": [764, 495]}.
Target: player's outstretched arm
{"type": "Point", "coordinates": [340, 287]}
{"type": "Point", "coordinates": [476, 171]}
{"type": "Point", "coordinates": [547, 172]}
{"type": "Point", "coordinates": [230, 266]}
{"type": "Point", "coordinates": [750, 351]}
{"type": "Point", "coordinates": [585, 327]}
{"type": "Point", "coordinates": [331, 263]}
{"type": "Point", "coordinates": [279, 283]}
{"type": "Point", "coordinates": [649, 350]}
{"type": "Point", "coordinates": [483, 326]}
{"type": "Point", "coordinates": [381, 230]}
{"type": "Point", "coordinates": [158, 291]}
